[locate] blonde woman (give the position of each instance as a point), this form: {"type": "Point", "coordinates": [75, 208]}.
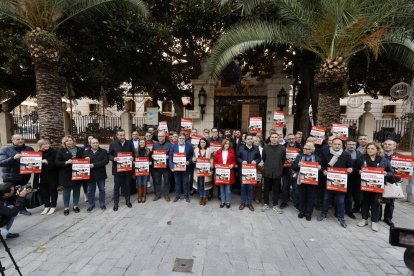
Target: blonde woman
{"type": "Point", "coordinates": [48, 179]}
{"type": "Point", "coordinates": [64, 158]}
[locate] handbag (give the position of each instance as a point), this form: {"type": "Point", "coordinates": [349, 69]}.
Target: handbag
{"type": "Point", "coordinates": [393, 190]}
{"type": "Point", "coordinates": [34, 200]}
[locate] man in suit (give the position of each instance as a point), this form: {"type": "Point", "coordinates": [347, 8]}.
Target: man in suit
{"type": "Point", "coordinates": [354, 181]}
{"type": "Point", "coordinates": [121, 179]}
{"type": "Point", "coordinates": [181, 177]}
{"type": "Point", "coordinates": [98, 160]}
{"type": "Point", "coordinates": [135, 139]}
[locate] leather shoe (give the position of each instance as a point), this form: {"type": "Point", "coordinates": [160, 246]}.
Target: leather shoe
{"type": "Point", "coordinates": [228, 205]}
{"type": "Point", "coordinates": [251, 208]}
{"type": "Point", "coordinates": [301, 215]}
{"type": "Point", "coordinates": [351, 215]}
{"type": "Point", "coordinates": [103, 207]}
{"type": "Point", "coordinates": [167, 198]}
{"type": "Point", "coordinates": [156, 198]}
{"type": "Point", "coordinates": [90, 209]}
{"type": "Point", "coordinates": [389, 222]}
{"type": "Point", "coordinates": [76, 209]}
{"type": "Point", "coordinates": [115, 208]}
{"type": "Point", "coordinates": [241, 207]}
{"type": "Point", "coordinates": [176, 199]}
{"type": "Point", "coordinates": [221, 205]}
{"type": "Point", "coordinates": [66, 212]}
{"type": "Point", "coordinates": [12, 235]}
{"type": "Point", "coordinates": [129, 204]}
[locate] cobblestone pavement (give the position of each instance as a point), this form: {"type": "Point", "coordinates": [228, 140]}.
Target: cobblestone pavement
{"type": "Point", "coordinates": [146, 240]}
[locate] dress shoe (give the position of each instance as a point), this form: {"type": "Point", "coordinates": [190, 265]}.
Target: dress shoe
{"type": "Point", "coordinates": [45, 211]}
{"type": "Point", "coordinates": [103, 207]}
{"type": "Point", "coordinates": [156, 197]}
{"type": "Point", "coordinates": [115, 208]}
{"type": "Point", "coordinates": [76, 209]}
{"type": "Point", "coordinates": [389, 222]}
{"type": "Point", "coordinates": [66, 212]}
{"type": "Point", "coordinates": [222, 205]}
{"type": "Point", "coordinates": [12, 235]}
{"type": "Point", "coordinates": [167, 198]}
{"type": "Point", "coordinates": [176, 199]}
{"type": "Point", "coordinates": [52, 211]}
{"type": "Point", "coordinates": [251, 208]}
{"type": "Point", "coordinates": [90, 209]}
{"type": "Point", "coordinates": [228, 205]}
{"type": "Point", "coordinates": [129, 204]}
{"type": "Point", "coordinates": [351, 215]}
{"type": "Point", "coordinates": [25, 212]}
{"type": "Point", "coordinates": [301, 215]}
{"type": "Point", "coordinates": [308, 218]}
{"type": "Point", "coordinates": [241, 207]}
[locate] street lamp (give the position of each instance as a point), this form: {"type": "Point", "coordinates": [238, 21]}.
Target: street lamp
{"type": "Point", "coordinates": [281, 98]}
{"type": "Point", "coordinates": [202, 101]}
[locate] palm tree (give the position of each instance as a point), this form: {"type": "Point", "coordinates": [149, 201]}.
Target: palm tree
{"type": "Point", "coordinates": [334, 31]}
{"type": "Point", "coordinates": [42, 18]}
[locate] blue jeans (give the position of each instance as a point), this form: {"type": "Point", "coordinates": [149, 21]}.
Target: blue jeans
{"type": "Point", "coordinates": [225, 191]}
{"type": "Point", "coordinates": [181, 180]}
{"type": "Point", "coordinates": [201, 189]}
{"type": "Point", "coordinates": [91, 192]}
{"type": "Point", "coordinates": [141, 181]}
{"type": "Point", "coordinates": [76, 194]}
{"type": "Point", "coordinates": [339, 203]}
{"type": "Point", "coordinates": [246, 193]}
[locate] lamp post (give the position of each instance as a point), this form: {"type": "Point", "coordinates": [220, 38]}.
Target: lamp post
{"type": "Point", "coordinates": [202, 101]}
{"type": "Point", "coordinates": [281, 98]}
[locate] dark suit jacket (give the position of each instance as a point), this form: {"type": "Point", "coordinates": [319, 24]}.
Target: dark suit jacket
{"type": "Point", "coordinates": [189, 154]}
{"type": "Point", "coordinates": [65, 171]}
{"type": "Point", "coordinates": [99, 159]}
{"type": "Point", "coordinates": [116, 147]}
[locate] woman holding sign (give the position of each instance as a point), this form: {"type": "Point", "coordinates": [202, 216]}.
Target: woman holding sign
{"type": "Point", "coordinates": [225, 159]}
{"type": "Point", "coordinates": [307, 189]}
{"type": "Point", "coordinates": [64, 161]}
{"type": "Point", "coordinates": [372, 164]}
{"type": "Point", "coordinates": [202, 159]}
{"type": "Point", "coordinates": [141, 180]}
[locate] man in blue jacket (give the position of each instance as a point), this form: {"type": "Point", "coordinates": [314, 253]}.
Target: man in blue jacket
{"type": "Point", "coordinates": [10, 162]}
{"type": "Point", "coordinates": [181, 177]}
{"type": "Point", "coordinates": [247, 154]}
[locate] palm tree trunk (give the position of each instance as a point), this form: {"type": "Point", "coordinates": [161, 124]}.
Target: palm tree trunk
{"type": "Point", "coordinates": [328, 105]}
{"type": "Point", "coordinates": [49, 102]}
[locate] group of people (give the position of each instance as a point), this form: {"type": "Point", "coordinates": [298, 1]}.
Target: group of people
{"type": "Point", "coordinates": [268, 156]}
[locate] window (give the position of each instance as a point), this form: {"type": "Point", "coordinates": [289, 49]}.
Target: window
{"type": "Point", "coordinates": [131, 106]}
{"type": "Point", "coordinates": [93, 107]}
{"type": "Point", "coordinates": [388, 109]}
{"type": "Point", "coordinates": [343, 109]}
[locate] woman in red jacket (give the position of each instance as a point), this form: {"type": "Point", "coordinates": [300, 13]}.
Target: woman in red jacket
{"type": "Point", "coordinates": [225, 156]}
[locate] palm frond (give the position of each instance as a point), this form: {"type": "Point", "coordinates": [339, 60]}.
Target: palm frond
{"type": "Point", "coordinates": [302, 11]}
{"type": "Point", "coordinates": [71, 8]}
{"type": "Point", "coordinates": [248, 35]}
{"type": "Point", "coordinates": [402, 51]}
{"type": "Point", "coordinates": [9, 9]}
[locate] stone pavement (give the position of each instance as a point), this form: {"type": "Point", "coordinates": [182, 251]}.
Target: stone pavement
{"type": "Point", "coordinates": [146, 240]}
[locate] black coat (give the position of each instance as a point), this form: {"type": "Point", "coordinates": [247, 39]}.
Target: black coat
{"type": "Point", "coordinates": [50, 171]}
{"type": "Point", "coordinates": [99, 159]}
{"type": "Point", "coordinates": [65, 170]}
{"type": "Point", "coordinates": [116, 147]}
{"type": "Point", "coordinates": [11, 166]}
{"type": "Point", "coordinates": [344, 160]}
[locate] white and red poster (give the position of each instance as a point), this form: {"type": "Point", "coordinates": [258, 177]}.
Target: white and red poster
{"type": "Point", "coordinates": [150, 145]}
{"type": "Point", "coordinates": [160, 159]}
{"type": "Point", "coordinates": [340, 131]}
{"type": "Point", "coordinates": [196, 139]}
{"type": "Point", "coordinates": [319, 133]}
{"type": "Point", "coordinates": [141, 166]}
{"type": "Point", "coordinates": [402, 166]}
{"type": "Point", "coordinates": [223, 174]}
{"type": "Point", "coordinates": [255, 125]}
{"type": "Point", "coordinates": [215, 146]}
{"type": "Point", "coordinates": [30, 162]}
{"type": "Point", "coordinates": [163, 127]}
{"type": "Point", "coordinates": [279, 119]}
{"type": "Point", "coordinates": [337, 179]}
{"type": "Point", "coordinates": [309, 173]}
{"type": "Point", "coordinates": [291, 154]}
{"type": "Point", "coordinates": [81, 169]}
{"type": "Point", "coordinates": [179, 160]}
{"type": "Point", "coordinates": [186, 125]}
{"type": "Point", "coordinates": [203, 166]}
{"type": "Point", "coordinates": [372, 179]}
{"type": "Point", "coordinates": [124, 163]}
{"type": "Point", "coordinates": [249, 174]}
